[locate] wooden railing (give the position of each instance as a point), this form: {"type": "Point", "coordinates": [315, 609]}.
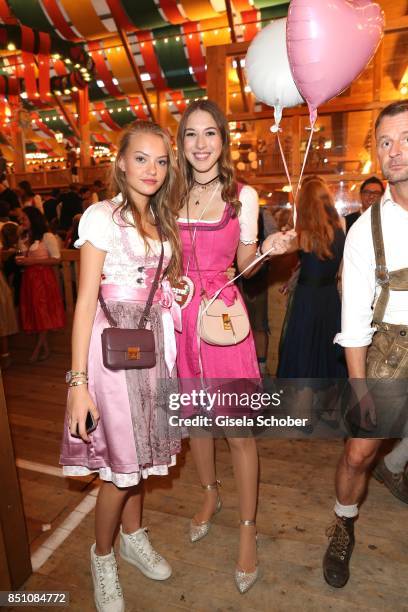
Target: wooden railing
{"type": "Point", "coordinates": [48, 179]}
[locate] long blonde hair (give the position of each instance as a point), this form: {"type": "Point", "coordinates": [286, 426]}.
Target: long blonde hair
{"type": "Point", "coordinates": [317, 218]}
{"type": "Point", "coordinates": [164, 203]}
{"type": "Point", "coordinates": [229, 192]}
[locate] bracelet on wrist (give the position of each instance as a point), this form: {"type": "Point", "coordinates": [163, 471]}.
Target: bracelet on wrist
{"type": "Point", "coordinates": [72, 375]}
{"type": "Point", "coordinates": [77, 383]}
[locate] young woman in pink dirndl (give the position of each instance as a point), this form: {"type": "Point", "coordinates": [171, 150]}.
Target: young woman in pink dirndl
{"type": "Point", "coordinates": [218, 222]}
{"type": "Point", "coordinates": [120, 252]}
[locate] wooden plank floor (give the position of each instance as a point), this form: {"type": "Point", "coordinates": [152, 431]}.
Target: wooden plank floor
{"type": "Point", "coordinates": [296, 497]}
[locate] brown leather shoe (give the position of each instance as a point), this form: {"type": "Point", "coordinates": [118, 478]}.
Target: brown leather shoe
{"type": "Point", "coordinates": [396, 483]}
{"type": "Point", "coordinates": [337, 558]}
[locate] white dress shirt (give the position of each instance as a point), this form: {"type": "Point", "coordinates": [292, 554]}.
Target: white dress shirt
{"type": "Point", "coordinates": [360, 290]}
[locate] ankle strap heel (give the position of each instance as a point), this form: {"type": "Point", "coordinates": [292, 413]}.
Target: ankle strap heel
{"type": "Point", "coordinates": [197, 532]}
{"type": "Point", "coordinates": [212, 486]}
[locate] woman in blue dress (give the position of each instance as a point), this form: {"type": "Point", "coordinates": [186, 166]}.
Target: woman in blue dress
{"type": "Point", "coordinates": [314, 311]}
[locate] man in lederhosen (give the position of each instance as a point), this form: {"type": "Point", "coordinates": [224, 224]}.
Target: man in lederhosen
{"type": "Point", "coordinates": [374, 327]}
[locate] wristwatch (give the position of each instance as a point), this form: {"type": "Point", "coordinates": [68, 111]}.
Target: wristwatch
{"type": "Point", "coordinates": [70, 375]}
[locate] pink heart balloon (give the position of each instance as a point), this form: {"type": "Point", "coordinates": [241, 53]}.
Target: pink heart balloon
{"type": "Point", "coordinates": [329, 44]}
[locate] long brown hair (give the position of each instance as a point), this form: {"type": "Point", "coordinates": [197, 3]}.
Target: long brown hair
{"type": "Point", "coordinates": [164, 203]}
{"type": "Point", "coordinates": [229, 191]}
{"type": "Point", "coordinates": [317, 218]}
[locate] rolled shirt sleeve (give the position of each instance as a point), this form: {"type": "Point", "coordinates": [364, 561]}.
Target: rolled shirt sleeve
{"type": "Point", "coordinates": [248, 217]}
{"type": "Point", "coordinates": [358, 286]}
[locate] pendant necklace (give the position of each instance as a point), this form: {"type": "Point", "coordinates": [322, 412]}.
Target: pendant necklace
{"type": "Point", "coordinates": [203, 187]}
{"type": "Point", "coordinates": [184, 288]}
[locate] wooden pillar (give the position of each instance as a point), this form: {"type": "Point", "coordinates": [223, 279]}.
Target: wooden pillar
{"type": "Point", "coordinates": [160, 102]}
{"type": "Point", "coordinates": [15, 564]}
{"type": "Point", "coordinates": [18, 138]}
{"type": "Point", "coordinates": [217, 82]}
{"type": "Point", "coordinates": [163, 115]}
{"type": "Point", "coordinates": [84, 128]}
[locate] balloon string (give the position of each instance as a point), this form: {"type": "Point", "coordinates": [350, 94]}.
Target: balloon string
{"type": "Point", "coordinates": [285, 165]}
{"type": "Point", "coordinates": [302, 171]}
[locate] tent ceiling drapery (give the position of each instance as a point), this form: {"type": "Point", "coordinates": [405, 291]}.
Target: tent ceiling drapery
{"type": "Point", "coordinates": [53, 45]}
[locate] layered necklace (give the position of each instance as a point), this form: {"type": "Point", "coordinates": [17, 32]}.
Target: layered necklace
{"type": "Point", "coordinates": [201, 188]}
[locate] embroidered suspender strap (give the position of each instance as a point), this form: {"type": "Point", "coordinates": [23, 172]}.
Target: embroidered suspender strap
{"type": "Point", "coordinates": [381, 271]}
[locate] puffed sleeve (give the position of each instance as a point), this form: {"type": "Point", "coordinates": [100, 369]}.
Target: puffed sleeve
{"type": "Point", "coordinates": [51, 244]}
{"type": "Point", "coordinates": [248, 218]}
{"type": "Point", "coordinates": [96, 226]}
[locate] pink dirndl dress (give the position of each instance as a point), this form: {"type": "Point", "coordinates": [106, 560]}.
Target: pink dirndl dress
{"type": "Point", "coordinates": [133, 439]}
{"type": "Point", "coordinates": [216, 245]}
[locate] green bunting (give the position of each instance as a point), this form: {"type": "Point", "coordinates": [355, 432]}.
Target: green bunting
{"type": "Point", "coordinates": [172, 58]}
{"type": "Point", "coordinates": [143, 13]}
{"type": "Point", "coordinates": [30, 13]}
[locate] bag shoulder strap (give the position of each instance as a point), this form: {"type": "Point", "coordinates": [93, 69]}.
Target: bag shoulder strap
{"type": "Point", "coordinates": [381, 270]}
{"type": "Point", "coordinates": [145, 315]}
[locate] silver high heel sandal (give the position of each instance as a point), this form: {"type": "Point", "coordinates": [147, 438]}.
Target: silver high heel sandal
{"type": "Point", "coordinates": [197, 532]}
{"type": "Point", "coordinates": [245, 580]}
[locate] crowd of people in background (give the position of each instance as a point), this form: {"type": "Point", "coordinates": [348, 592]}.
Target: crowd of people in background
{"type": "Point", "coordinates": [34, 228]}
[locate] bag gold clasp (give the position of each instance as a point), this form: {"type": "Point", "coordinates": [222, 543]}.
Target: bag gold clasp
{"type": "Point", "coordinates": [133, 353]}
{"type": "Point", "coordinates": [226, 322]}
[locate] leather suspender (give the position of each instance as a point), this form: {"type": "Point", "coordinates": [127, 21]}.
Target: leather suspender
{"type": "Point", "coordinates": [381, 271]}
{"type": "Point", "coordinates": [397, 280]}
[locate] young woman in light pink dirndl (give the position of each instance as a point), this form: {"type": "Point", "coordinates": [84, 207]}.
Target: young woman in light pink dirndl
{"type": "Point", "coordinates": [120, 252]}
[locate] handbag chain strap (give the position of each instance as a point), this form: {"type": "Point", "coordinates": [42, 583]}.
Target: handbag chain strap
{"type": "Point", "coordinates": [145, 315]}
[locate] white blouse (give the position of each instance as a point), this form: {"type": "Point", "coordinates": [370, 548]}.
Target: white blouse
{"type": "Point", "coordinates": [360, 290]}
{"type": "Point", "coordinates": [126, 262]}
{"type": "Point", "coordinates": [248, 216]}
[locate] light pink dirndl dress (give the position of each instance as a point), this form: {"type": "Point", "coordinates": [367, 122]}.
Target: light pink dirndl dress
{"type": "Point", "coordinates": [133, 439]}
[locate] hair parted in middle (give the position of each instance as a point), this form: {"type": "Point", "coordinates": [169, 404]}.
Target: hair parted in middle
{"type": "Point", "coordinates": [229, 191]}
{"type": "Point", "coordinates": [164, 203]}
{"type": "Point", "coordinates": [317, 217]}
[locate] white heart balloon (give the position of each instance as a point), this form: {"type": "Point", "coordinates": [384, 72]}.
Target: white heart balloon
{"type": "Point", "coordinates": [268, 69]}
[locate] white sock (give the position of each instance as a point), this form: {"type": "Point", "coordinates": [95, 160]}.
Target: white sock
{"type": "Point", "coordinates": [346, 511]}
{"type": "Point", "coordinates": [397, 459]}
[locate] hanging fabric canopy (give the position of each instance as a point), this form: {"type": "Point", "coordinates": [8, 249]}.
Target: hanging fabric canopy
{"type": "Point", "coordinates": [61, 46]}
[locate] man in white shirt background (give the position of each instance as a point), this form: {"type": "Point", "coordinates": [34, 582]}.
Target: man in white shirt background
{"type": "Point", "coordinates": [374, 330]}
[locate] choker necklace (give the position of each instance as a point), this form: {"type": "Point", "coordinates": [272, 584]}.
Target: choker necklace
{"type": "Point", "coordinates": [202, 187]}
